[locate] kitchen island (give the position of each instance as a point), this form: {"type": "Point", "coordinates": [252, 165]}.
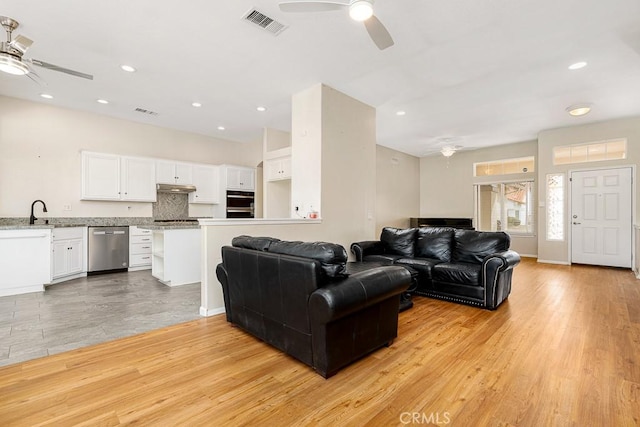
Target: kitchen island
{"type": "Point", "coordinates": [176, 253]}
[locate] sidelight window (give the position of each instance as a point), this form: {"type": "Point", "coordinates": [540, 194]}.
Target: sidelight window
{"type": "Point", "coordinates": [555, 206]}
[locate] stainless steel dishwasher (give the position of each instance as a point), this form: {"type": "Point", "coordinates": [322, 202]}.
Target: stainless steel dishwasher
{"type": "Point", "coordinates": [108, 249]}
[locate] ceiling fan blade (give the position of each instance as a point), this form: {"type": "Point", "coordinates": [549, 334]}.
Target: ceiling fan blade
{"type": "Point", "coordinates": [60, 69]}
{"type": "Point", "coordinates": [312, 5]}
{"type": "Point", "coordinates": [21, 43]}
{"type": "Point", "coordinates": [35, 77]}
{"type": "Point", "coordinates": [378, 33]}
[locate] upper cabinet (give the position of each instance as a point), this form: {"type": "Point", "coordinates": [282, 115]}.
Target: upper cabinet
{"type": "Point", "coordinates": [206, 179]}
{"type": "Point", "coordinates": [168, 172]}
{"type": "Point", "coordinates": [240, 178]}
{"type": "Point", "coordinates": [138, 179]}
{"type": "Point", "coordinates": [112, 177]}
{"type": "Point", "coordinates": [278, 169]}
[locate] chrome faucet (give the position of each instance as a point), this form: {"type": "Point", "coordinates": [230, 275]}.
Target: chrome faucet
{"type": "Point", "coordinates": [32, 218]}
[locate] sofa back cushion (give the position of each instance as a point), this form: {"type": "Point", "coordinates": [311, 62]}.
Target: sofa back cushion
{"type": "Point", "coordinates": [473, 246]}
{"type": "Point", "coordinates": [332, 257]}
{"type": "Point", "coordinates": [256, 243]}
{"type": "Point", "coordinates": [398, 241]}
{"type": "Point", "coordinates": [435, 243]}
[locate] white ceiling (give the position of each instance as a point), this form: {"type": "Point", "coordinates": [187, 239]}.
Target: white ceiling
{"type": "Point", "coordinates": [467, 72]}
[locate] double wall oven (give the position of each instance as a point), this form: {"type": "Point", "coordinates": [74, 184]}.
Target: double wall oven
{"type": "Point", "coordinates": [240, 204]}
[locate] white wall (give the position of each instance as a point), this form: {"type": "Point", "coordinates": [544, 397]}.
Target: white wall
{"type": "Point", "coordinates": [622, 128]}
{"type": "Point", "coordinates": [40, 156]}
{"type": "Point", "coordinates": [446, 185]}
{"type": "Point", "coordinates": [397, 188]}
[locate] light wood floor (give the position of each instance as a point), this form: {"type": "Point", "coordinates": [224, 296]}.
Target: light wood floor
{"type": "Point", "coordinates": [563, 350]}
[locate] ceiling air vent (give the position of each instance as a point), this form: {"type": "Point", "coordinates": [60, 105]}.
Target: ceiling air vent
{"type": "Point", "coordinates": [145, 111]}
{"type": "Point", "coordinates": [263, 21]}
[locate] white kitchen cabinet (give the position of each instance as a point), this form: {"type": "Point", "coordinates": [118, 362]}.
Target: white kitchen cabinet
{"type": "Point", "coordinates": [240, 178]}
{"type": "Point", "coordinates": [206, 179]}
{"type": "Point", "coordinates": [140, 246]}
{"type": "Point", "coordinates": [176, 256]}
{"type": "Point", "coordinates": [138, 179]}
{"type": "Point", "coordinates": [100, 176]}
{"type": "Point", "coordinates": [25, 261]}
{"type": "Point", "coordinates": [112, 177]}
{"type": "Point", "coordinates": [278, 169]}
{"type": "Point", "coordinates": [168, 172]}
{"type": "Point", "coordinates": [67, 253]}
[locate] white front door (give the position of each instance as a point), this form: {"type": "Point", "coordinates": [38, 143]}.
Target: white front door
{"type": "Point", "coordinates": [601, 230]}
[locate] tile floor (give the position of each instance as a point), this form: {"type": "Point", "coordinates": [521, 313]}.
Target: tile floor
{"type": "Point", "coordinates": [88, 311]}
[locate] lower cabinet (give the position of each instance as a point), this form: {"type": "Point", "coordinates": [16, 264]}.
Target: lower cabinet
{"type": "Point", "coordinates": [67, 252]}
{"type": "Point", "coordinates": [140, 245]}
{"type": "Point", "coordinates": [25, 261]}
{"type": "Point", "coordinates": [176, 256]}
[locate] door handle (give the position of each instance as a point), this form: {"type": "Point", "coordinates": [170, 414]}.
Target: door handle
{"type": "Point", "coordinates": [576, 223]}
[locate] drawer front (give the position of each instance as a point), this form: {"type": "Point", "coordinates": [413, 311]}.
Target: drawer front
{"type": "Point", "coordinates": [135, 231]}
{"type": "Point", "coordinates": [137, 260]}
{"type": "Point", "coordinates": [140, 248]}
{"type": "Point", "coordinates": [67, 233]}
{"type": "Point", "coordinates": [141, 239]}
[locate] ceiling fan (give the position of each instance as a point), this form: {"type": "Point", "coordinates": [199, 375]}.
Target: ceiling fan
{"type": "Point", "coordinates": [11, 51]}
{"type": "Point", "coordinates": [359, 10]}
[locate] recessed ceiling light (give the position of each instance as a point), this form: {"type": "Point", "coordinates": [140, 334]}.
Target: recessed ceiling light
{"type": "Point", "coordinates": [102, 101]}
{"type": "Point", "coordinates": [128, 68]}
{"type": "Point", "coordinates": [46, 96]}
{"type": "Point", "coordinates": [577, 65]}
{"type": "Point", "coordinates": [578, 109]}
{"type": "Point", "coordinates": [220, 127]}
{"type": "Point", "coordinates": [196, 104]}
{"type": "Point", "coordinates": [400, 113]}
{"type": "Point", "coordinates": [261, 109]}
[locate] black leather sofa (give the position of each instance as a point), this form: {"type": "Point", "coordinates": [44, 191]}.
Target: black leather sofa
{"type": "Point", "coordinates": [298, 297]}
{"type": "Point", "coordinates": [463, 266]}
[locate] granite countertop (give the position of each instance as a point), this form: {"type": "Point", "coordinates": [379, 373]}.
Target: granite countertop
{"type": "Point", "coordinates": [38, 226]}
{"type": "Point", "coordinates": [169, 226]}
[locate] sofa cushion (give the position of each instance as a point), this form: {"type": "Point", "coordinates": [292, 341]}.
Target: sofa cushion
{"type": "Point", "coordinates": [462, 273]}
{"type": "Point", "coordinates": [422, 265]}
{"type": "Point", "coordinates": [435, 243]}
{"type": "Point", "coordinates": [398, 241]}
{"type": "Point", "coordinates": [474, 246]}
{"type": "Point", "coordinates": [256, 243]}
{"type": "Point", "coordinates": [383, 258]}
{"type": "Point", "coordinates": [332, 257]}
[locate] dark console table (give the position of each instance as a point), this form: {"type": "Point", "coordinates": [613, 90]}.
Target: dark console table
{"type": "Point", "coordinates": [464, 223]}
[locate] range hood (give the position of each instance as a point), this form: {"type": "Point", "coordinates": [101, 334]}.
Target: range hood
{"type": "Point", "coordinates": [175, 188]}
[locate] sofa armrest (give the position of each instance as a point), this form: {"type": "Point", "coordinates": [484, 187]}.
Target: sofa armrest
{"type": "Point", "coordinates": [358, 291]}
{"type": "Point", "coordinates": [221, 274]}
{"type": "Point", "coordinates": [367, 247]}
{"type": "Point", "coordinates": [502, 260]}
{"type": "Point", "coordinates": [497, 270]}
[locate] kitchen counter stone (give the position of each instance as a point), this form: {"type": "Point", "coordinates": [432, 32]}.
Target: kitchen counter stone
{"type": "Point", "coordinates": [169, 226]}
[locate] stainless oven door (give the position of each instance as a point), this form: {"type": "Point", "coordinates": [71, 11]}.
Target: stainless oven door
{"type": "Point", "coordinates": [240, 204]}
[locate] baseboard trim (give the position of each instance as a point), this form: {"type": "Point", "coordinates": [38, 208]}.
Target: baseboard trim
{"type": "Point", "coordinates": [548, 261]}
{"type": "Point", "coordinates": [211, 312]}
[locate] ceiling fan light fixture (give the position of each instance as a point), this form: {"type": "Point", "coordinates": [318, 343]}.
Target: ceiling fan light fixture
{"type": "Point", "coordinates": [448, 151]}
{"type": "Point", "coordinates": [10, 64]}
{"type": "Point", "coordinates": [361, 10]}
{"type": "Point", "coordinates": [578, 109]}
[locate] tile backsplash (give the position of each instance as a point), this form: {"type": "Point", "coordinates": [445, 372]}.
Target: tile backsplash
{"type": "Point", "coordinates": [171, 206]}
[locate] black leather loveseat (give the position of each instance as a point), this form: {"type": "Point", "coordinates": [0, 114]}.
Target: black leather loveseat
{"type": "Point", "coordinates": [297, 297]}
{"type": "Point", "coordinates": [464, 266]}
